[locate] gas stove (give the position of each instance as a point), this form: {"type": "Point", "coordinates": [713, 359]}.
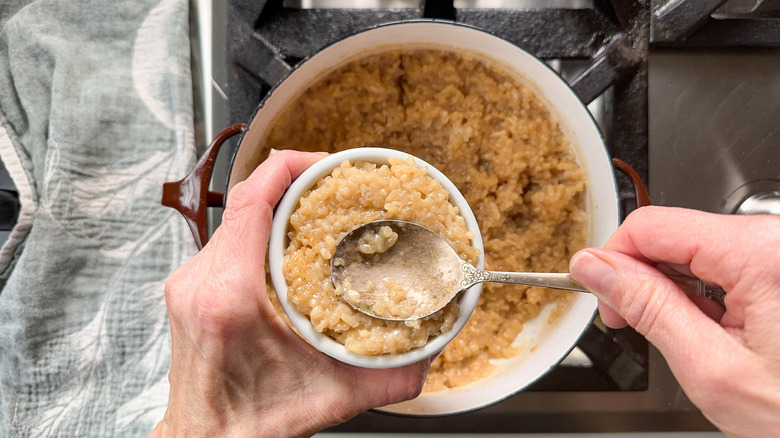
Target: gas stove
{"type": "Point", "coordinates": [685, 91]}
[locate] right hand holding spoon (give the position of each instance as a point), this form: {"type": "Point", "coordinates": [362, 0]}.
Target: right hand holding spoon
{"type": "Point", "coordinates": [727, 361]}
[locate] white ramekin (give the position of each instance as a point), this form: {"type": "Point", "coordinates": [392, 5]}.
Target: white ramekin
{"type": "Point", "coordinates": [279, 241]}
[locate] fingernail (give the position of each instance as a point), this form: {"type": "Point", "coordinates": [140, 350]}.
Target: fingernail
{"type": "Point", "coordinates": [594, 273]}
{"type": "Point", "coordinates": [272, 151]}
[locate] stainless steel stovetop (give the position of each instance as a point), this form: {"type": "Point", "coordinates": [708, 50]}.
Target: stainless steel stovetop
{"type": "Point", "coordinates": [715, 129]}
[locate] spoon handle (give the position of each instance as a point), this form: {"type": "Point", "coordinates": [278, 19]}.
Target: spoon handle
{"type": "Point", "coordinates": [471, 276]}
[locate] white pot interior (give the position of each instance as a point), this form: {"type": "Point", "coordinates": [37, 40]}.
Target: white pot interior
{"type": "Point", "coordinates": [546, 343]}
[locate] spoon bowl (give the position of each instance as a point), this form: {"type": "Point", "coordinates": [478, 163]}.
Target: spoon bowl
{"type": "Point", "coordinates": [396, 270]}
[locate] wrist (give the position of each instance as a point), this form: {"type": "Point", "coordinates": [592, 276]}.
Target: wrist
{"type": "Point", "coordinates": [182, 427]}
{"type": "Point", "coordinates": [299, 417]}
{"type": "Point", "coordinates": [279, 418]}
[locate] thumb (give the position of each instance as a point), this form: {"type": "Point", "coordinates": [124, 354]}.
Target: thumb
{"type": "Point", "coordinates": [246, 222]}
{"type": "Point", "coordinates": [647, 300]}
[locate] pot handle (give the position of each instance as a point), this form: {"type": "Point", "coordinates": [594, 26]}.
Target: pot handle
{"type": "Point", "coordinates": [642, 198]}
{"type": "Point", "coordinates": [190, 196]}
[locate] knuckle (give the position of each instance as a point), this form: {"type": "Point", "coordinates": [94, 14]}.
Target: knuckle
{"type": "Point", "coordinates": [210, 310]}
{"type": "Point", "coordinates": [237, 202]}
{"type": "Point", "coordinates": [175, 293]}
{"type": "Point", "coordinates": [244, 207]}
{"type": "Point", "coordinates": [415, 388]}
{"type": "Point", "coordinates": [414, 382]}
{"type": "Point", "coordinates": [768, 226]}
{"type": "Point", "coordinates": [642, 303]}
{"type": "Point", "coordinates": [643, 215]}
{"type": "Point", "coordinates": [192, 302]}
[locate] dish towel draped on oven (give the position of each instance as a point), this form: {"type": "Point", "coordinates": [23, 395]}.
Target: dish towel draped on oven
{"type": "Point", "coordinates": [95, 114]}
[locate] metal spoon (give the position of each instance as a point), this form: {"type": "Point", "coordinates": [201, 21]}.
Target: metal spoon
{"type": "Point", "coordinates": [400, 271]}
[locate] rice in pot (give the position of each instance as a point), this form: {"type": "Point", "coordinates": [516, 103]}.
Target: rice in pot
{"type": "Point", "coordinates": [495, 140]}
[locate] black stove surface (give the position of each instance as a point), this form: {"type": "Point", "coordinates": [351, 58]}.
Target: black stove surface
{"type": "Point", "coordinates": [623, 384]}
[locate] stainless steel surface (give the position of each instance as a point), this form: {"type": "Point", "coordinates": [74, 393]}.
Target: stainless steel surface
{"type": "Point", "coordinates": [476, 4]}
{"type": "Point", "coordinates": [208, 22]}
{"type": "Point", "coordinates": [714, 130]}
{"type": "Point", "coordinates": [219, 104]}
{"type": "Point", "coordinates": [746, 191]}
{"type": "Point", "coordinates": [761, 203]}
{"type": "Point", "coordinates": [748, 9]}
{"type": "Point", "coordinates": [662, 407]}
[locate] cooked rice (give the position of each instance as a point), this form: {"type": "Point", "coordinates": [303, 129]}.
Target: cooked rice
{"type": "Point", "coordinates": [495, 140]}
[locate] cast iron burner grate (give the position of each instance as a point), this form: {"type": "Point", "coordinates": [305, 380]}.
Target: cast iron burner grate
{"type": "Point", "coordinates": [265, 39]}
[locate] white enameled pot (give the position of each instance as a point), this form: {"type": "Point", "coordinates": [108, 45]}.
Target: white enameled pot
{"type": "Point", "coordinates": [543, 344]}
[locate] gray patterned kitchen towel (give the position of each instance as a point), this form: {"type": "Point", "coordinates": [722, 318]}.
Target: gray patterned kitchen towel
{"type": "Point", "coordinates": [95, 114]}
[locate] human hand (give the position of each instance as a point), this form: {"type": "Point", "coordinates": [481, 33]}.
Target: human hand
{"type": "Point", "coordinates": [237, 369]}
{"type": "Point", "coordinates": [727, 362]}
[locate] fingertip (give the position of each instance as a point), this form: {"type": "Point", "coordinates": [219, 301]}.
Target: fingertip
{"type": "Point", "coordinates": [594, 273]}
{"type": "Point", "coordinates": [270, 180]}
{"type": "Point", "coordinates": [295, 161]}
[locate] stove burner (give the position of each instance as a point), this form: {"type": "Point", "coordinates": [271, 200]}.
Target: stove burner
{"type": "Point", "coordinates": [754, 197]}
{"type": "Point", "coordinates": [761, 203]}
